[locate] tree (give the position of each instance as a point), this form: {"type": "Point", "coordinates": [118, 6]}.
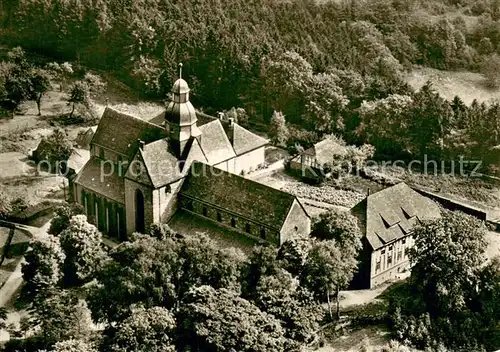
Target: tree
{"type": "Point", "coordinates": [3, 318]}
{"type": "Point", "coordinates": [282, 296]}
{"type": "Point", "coordinates": [262, 262]}
{"type": "Point", "coordinates": [328, 269]}
{"type": "Point", "coordinates": [78, 94]}
{"type": "Point", "coordinates": [5, 204]}
{"type": "Point", "coordinates": [82, 246]}
{"type": "Point", "coordinates": [58, 316]}
{"type": "Point", "coordinates": [339, 226]}
{"type": "Point", "coordinates": [73, 346]}
{"type": "Point", "coordinates": [211, 319]}
{"type": "Point", "coordinates": [63, 215]}
{"type": "Point", "coordinates": [430, 121]}
{"type": "Point", "coordinates": [145, 271]}
{"type": "Point", "coordinates": [42, 269]}
{"type": "Point", "coordinates": [82, 92]}
{"type": "Point", "coordinates": [60, 72]}
{"type": "Point", "coordinates": [159, 272]}
{"type": "Point", "coordinates": [453, 294]}
{"type": "Point", "coordinates": [279, 130]}
{"type": "Point", "coordinates": [54, 149]}
{"type": "Point", "coordinates": [491, 70]}
{"type": "Point", "coordinates": [40, 84]}
{"type": "Point", "coordinates": [19, 205]}
{"type": "Point", "coordinates": [146, 330]}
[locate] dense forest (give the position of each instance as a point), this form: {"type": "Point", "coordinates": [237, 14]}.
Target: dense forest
{"type": "Point", "coordinates": [319, 63]}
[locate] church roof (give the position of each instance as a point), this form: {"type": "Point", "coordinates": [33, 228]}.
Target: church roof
{"type": "Point", "coordinates": [195, 154]}
{"type": "Point", "coordinates": [161, 165]}
{"type": "Point", "coordinates": [241, 139]}
{"type": "Point", "coordinates": [180, 87]}
{"type": "Point", "coordinates": [392, 213]}
{"type": "Point", "coordinates": [245, 141]}
{"type": "Point", "coordinates": [108, 184]}
{"type": "Point", "coordinates": [214, 143]}
{"type": "Point", "coordinates": [237, 194]}
{"type": "Point", "coordinates": [120, 132]}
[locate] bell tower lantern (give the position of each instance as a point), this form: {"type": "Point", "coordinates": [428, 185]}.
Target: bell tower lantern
{"type": "Point", "coordinates": [180, 116]}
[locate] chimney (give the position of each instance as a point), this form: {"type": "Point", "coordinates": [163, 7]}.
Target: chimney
{"type": "Point", "coordinates": [141, 144]}
{"type": "Point", "coordinates": [231, 121]}
{"type": "Point", "coordinates": [220, 115]}
{"type": "Point", "coordinates": [367, 192]}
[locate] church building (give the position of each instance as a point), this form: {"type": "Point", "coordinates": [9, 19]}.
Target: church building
{"type": "Point", "coordinates": [140, 173]}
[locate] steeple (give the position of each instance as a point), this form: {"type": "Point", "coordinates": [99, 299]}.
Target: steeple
{"type": "Point", "coordinates": [180, 116]}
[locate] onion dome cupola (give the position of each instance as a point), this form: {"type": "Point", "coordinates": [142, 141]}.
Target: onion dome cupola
{"type": "Point", "coordinates": [180, 116]}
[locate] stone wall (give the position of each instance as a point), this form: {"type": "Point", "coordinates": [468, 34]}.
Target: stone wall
{"type": "Point", "coordinates": [226, 218]}
{"type": "Point", "coordinates": [297, 224]}
{"type": "Point", "coordinates": [131, 188]}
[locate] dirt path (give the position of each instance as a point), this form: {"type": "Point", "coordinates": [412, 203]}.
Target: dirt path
{"type": "Point", "coordinates": [14, 282]}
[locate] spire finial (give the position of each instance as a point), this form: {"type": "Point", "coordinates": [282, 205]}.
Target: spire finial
{"type": "Point", "coordinates": [180, 69]}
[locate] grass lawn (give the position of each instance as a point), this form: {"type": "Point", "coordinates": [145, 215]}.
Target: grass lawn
{"type": "Point", "coordinates": [467, 85]}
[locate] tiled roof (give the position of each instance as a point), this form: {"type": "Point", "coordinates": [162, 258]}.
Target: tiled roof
{"type": "Point", "coordinates": [214, 143]}
{"type": "Point", "coordinates": [78, 159]}
{"type": "Point", "coordinates": [244, 141]}
{"type": "Point", "coordinates": [121, 132]}
{"type": "Point", "coordinates": [241, 139]}
{"type": "Point", "coordinates": [391, 213]}
{"type": "Point", "coordinates": [195, 154]}
{"type": "Point", "coordinates": [161, 165]}
{"type": "Point", "coordinates": [324, 151]}
{"type": "Point", "coordinates": [158, 119]}
{"type": "Point", "coordinates": [242, 196]}
{"type": "Point", "coordinates": [110, 186]}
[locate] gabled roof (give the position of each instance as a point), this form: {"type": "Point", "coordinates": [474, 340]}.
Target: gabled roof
{"type": "Point", "coordinates": [241, 139]}
{"type": "Point", "coordinates": [214, 143]}
{"type": "Point", "coordinates": [106, 183]}
{"type": "Point", "coordinates": [161, 164]}
{"type": "Point", "coordinates": [237, 194]}
{"type": "Point", "coordinates": [325, 150]}
{"type": "Point", "coordinates": [78, 159]}
{"type": "Point", "coordinates": [120, 132]}
{"type": "Point", "coordinates": [391, 213]}
{"type": "Point", "coordinates": [195, 154]}
{"type": "Point", "coordinates": [244, 141]}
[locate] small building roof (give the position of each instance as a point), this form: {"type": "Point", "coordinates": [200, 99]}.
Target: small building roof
{"type": "Point", "coordinates": [237, 194]}
{"type": "Point", "coordinates": [392, 213]}
{"type": "Point", "coordinates": [98, 177]}
{"type": "Point", "coordinates": [121, 132]}
{"type": "Point", "coordinates": [78, 159]}
{"type": "Point", "coordinates": [325, 150]}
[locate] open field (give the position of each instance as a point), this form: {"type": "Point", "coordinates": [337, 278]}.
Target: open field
{"type": "Point", "coordinates": [467, 85]}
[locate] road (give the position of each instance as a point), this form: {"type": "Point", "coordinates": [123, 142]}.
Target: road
{"type": "Point", "coordinates": [15, 280]}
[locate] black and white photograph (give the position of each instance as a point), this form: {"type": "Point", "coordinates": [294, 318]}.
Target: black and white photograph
{"type": "Point", "coordinates": [250, 175]}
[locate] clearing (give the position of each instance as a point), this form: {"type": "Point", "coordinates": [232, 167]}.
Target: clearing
{"type": "Point", "coordinates": [467, 85]}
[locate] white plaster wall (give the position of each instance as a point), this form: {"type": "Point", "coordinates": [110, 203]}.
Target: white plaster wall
{"type": "Point", "coordinates": [249, 161]}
